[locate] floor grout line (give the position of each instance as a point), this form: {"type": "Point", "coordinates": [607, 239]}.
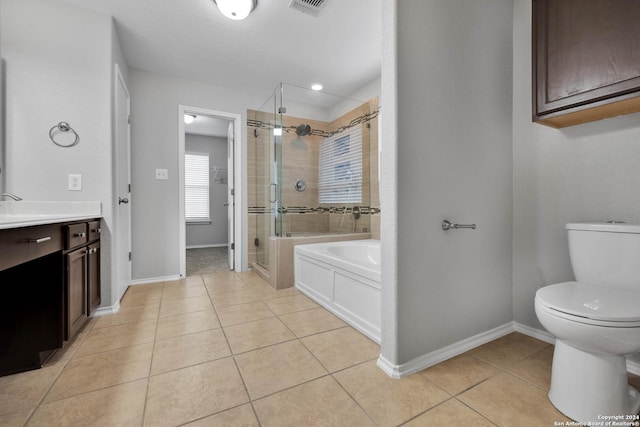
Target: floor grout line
{"type": "Point", "coordinates": [264, 298]}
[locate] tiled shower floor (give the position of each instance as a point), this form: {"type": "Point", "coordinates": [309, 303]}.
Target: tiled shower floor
{"type": "Point", "coordinates": [225, 349]}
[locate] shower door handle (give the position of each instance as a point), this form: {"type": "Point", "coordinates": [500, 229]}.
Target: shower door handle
{"type": "Point", "coordinates": [275, 188]}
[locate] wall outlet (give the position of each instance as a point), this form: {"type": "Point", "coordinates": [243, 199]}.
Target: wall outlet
{"type": "Point", "coordinates": [75, 182]}
{"type": "Point", "coordinates": [162, 174]}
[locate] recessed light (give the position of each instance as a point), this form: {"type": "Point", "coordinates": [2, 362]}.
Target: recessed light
{"type": "Point", "coordinates": [316, 86]}
{"type": "Point", "coordinates": [189, 118]}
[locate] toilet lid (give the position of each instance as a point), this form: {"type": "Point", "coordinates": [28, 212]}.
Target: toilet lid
{"type": "Point", "coordinates": [592, 302]}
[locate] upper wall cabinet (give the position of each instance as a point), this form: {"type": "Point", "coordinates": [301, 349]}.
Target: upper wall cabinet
{"type": "Point", "coordinates": [586, 60]}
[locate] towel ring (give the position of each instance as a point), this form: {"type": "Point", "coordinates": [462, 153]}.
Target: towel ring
{"type": "Point", "coordinates": [63, 127]}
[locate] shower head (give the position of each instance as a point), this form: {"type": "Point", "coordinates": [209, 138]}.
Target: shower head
{"type": "Point", "coordinates": [303, 129]}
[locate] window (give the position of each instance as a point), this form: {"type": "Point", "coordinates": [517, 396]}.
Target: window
{"type": "Point", "coordinates": [196, 186]}
{"type": "Point", "coordinates": [340, 168]}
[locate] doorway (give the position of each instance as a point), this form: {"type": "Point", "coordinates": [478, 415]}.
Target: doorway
{"type": "Point", "coordinates": [209, 214]}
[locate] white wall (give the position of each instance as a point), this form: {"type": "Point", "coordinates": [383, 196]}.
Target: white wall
{"type": "Point", "coordinates": [216, 232]}
{"type": "Point", "coordinates": [364, 94]}
{"type": "Point", "coordinates": [154, 130]}
{"type": "Point", "coordinates": [53, 76]}
{"type": "Point", "coordinates": [452, 145]}
{"type": "Point", "coordinates": [58, 68]}
{"type": "Point", "coordinates": [581, 173]}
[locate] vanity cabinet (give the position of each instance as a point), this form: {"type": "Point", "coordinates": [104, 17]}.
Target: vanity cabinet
{"type": "Point", "coordinates": [82, 278]}
{"type": "Point", "coordinates": [586, 60]}
{"type": "Point", "coordinates": [50, 280]}
{"type": "Point", "coordinates": [93, 277]}
{"type": "Point", "coordinates": [32, 284]}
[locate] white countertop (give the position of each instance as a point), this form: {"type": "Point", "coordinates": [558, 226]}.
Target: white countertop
{"type": "Point", "coordinates": [26, 213]}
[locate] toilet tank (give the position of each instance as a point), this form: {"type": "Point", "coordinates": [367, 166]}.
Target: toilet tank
{"type": "Point", "coordinates": [605, 254]}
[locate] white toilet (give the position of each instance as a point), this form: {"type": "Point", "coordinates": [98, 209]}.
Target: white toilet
{"type": "Point", "coordinates": [596, 322]}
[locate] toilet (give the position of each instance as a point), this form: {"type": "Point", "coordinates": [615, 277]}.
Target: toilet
{"type": "Point", "coordinates": [596, 322]}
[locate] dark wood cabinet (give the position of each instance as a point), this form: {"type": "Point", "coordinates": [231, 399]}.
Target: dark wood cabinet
{"type": "Point", "coordinates": [21, 245]}
{"type": "Point", "coordinates": [82, 260]}
{"type": "Point", "coordinates": [93, 277]}
{"type": "Point", "coordinates": [586, 60]}
{"type": "Point", "coordinates": [76, 291]}
{"type": "Point", "coordinates": [31, 279]}
{"type": "Point", "coordinates": [50, 278]}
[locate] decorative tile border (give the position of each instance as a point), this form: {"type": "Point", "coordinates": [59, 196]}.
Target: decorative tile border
{"type": "Point", "coordinates": [259, 124]}
{"type": "Point", "coordinates": [364, 210]}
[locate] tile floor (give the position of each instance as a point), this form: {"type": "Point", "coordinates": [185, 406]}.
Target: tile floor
{"type": "Point", "coordinates": [224, 349]}
{"type": "Point", "coordinates": [206, 260]}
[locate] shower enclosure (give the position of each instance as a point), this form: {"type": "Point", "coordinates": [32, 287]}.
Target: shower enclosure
{"type": "Point", "coordinates": [313, 169]}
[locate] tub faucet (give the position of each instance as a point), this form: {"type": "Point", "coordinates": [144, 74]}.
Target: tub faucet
{"type": "Point", "coordinates": [356, 212]}
{"type": "Point", "coordinates": [11, 196]}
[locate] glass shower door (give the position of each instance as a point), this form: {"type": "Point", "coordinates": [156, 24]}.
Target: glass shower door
{"type": "Point", "coordinates": [260, 157]}
{"type": "Point", "coordinates": [276, 162]}
{"type": "Point", "coordinates": [267, 123]}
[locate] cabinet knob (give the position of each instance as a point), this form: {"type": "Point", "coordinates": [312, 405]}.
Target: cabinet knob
{"type": "Point", "coordinates": [79, 234]}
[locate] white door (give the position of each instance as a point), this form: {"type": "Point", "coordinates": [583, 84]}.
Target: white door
{"type": "Point", "coordinates": [230, 196]}
{"type": "Point", "coordinates": [123, 186]}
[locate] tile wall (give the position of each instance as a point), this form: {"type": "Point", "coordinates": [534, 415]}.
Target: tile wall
{"type": "Point", "coordinates": [300, 161]}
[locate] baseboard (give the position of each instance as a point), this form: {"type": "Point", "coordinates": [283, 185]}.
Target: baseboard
{"type": "Point", "coordinates": [105, 311]}
{"type": "Point", "coordinates": [534, 333]}
{"type": "Point", "coordinates": [633, 367]}
{"type": "Point", "coordinates": [440, 355]}
{"type": "Point", "coordinates": [215, 245]}
{"type": "Point", "coordinates": [154, 280]}
{"type": "Point", "coordinates": [427, 360]}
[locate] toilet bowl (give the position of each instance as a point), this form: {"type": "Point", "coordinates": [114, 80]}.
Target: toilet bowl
{"type": "Point", "coordinates": [596, 322]}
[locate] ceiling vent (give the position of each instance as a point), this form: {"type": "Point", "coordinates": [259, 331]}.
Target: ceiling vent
{"type": "Point", "coordinates": [310, 7]}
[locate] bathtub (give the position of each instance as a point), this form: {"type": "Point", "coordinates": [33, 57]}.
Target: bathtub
{"type": "Point", "coordinates": [344, 278]}
{"type": "Point", "coordinates": [281, 254]}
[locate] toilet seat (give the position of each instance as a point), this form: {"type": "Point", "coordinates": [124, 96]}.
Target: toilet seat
{"type": "Point", "coordinates": [594, 305]}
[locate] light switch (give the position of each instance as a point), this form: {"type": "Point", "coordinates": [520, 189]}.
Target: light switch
{"type": "Point", "coordinates": [162, 174]}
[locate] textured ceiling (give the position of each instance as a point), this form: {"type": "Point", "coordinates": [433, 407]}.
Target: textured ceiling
{"type": "Point", "coordinates": [191, 39]}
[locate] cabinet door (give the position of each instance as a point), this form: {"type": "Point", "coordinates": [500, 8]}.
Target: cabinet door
{"type": "Point", "coordinates": [93, 277]}
{"type": "Point", "coordinates": [76, 296]}
{"type": "Point", "coordinates": [586, 55]}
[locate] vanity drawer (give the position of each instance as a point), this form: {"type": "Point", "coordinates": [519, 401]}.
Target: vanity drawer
{"type": "Point", "coordinates": [20, 245]}
{"type": "Point", "coordinates": [75, 235]}
{"type": "Point", "coordinates": [94, 230]}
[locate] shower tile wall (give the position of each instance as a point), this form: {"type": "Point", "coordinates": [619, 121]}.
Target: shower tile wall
{"type": "Point", "coordinates": [300, 161]}
{"type": "Point", "coordinates": [344, 222]}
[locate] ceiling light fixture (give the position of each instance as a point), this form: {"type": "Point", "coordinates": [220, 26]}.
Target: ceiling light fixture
{"type": "Point", "coordinates": [236, 9]}
{"type": "Point", "coordinates": [316, 86]}
{"type": "Point", "coordinates": [189, 118]}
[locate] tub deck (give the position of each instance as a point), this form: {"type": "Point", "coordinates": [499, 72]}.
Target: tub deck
{"type": "Point", "coordinates": [343, 277]}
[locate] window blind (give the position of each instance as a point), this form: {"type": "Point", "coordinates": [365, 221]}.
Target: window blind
{"type": "Point", "coordinates": [340, 167]}
{"type": "Point", "coordinates": [196, 186]}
